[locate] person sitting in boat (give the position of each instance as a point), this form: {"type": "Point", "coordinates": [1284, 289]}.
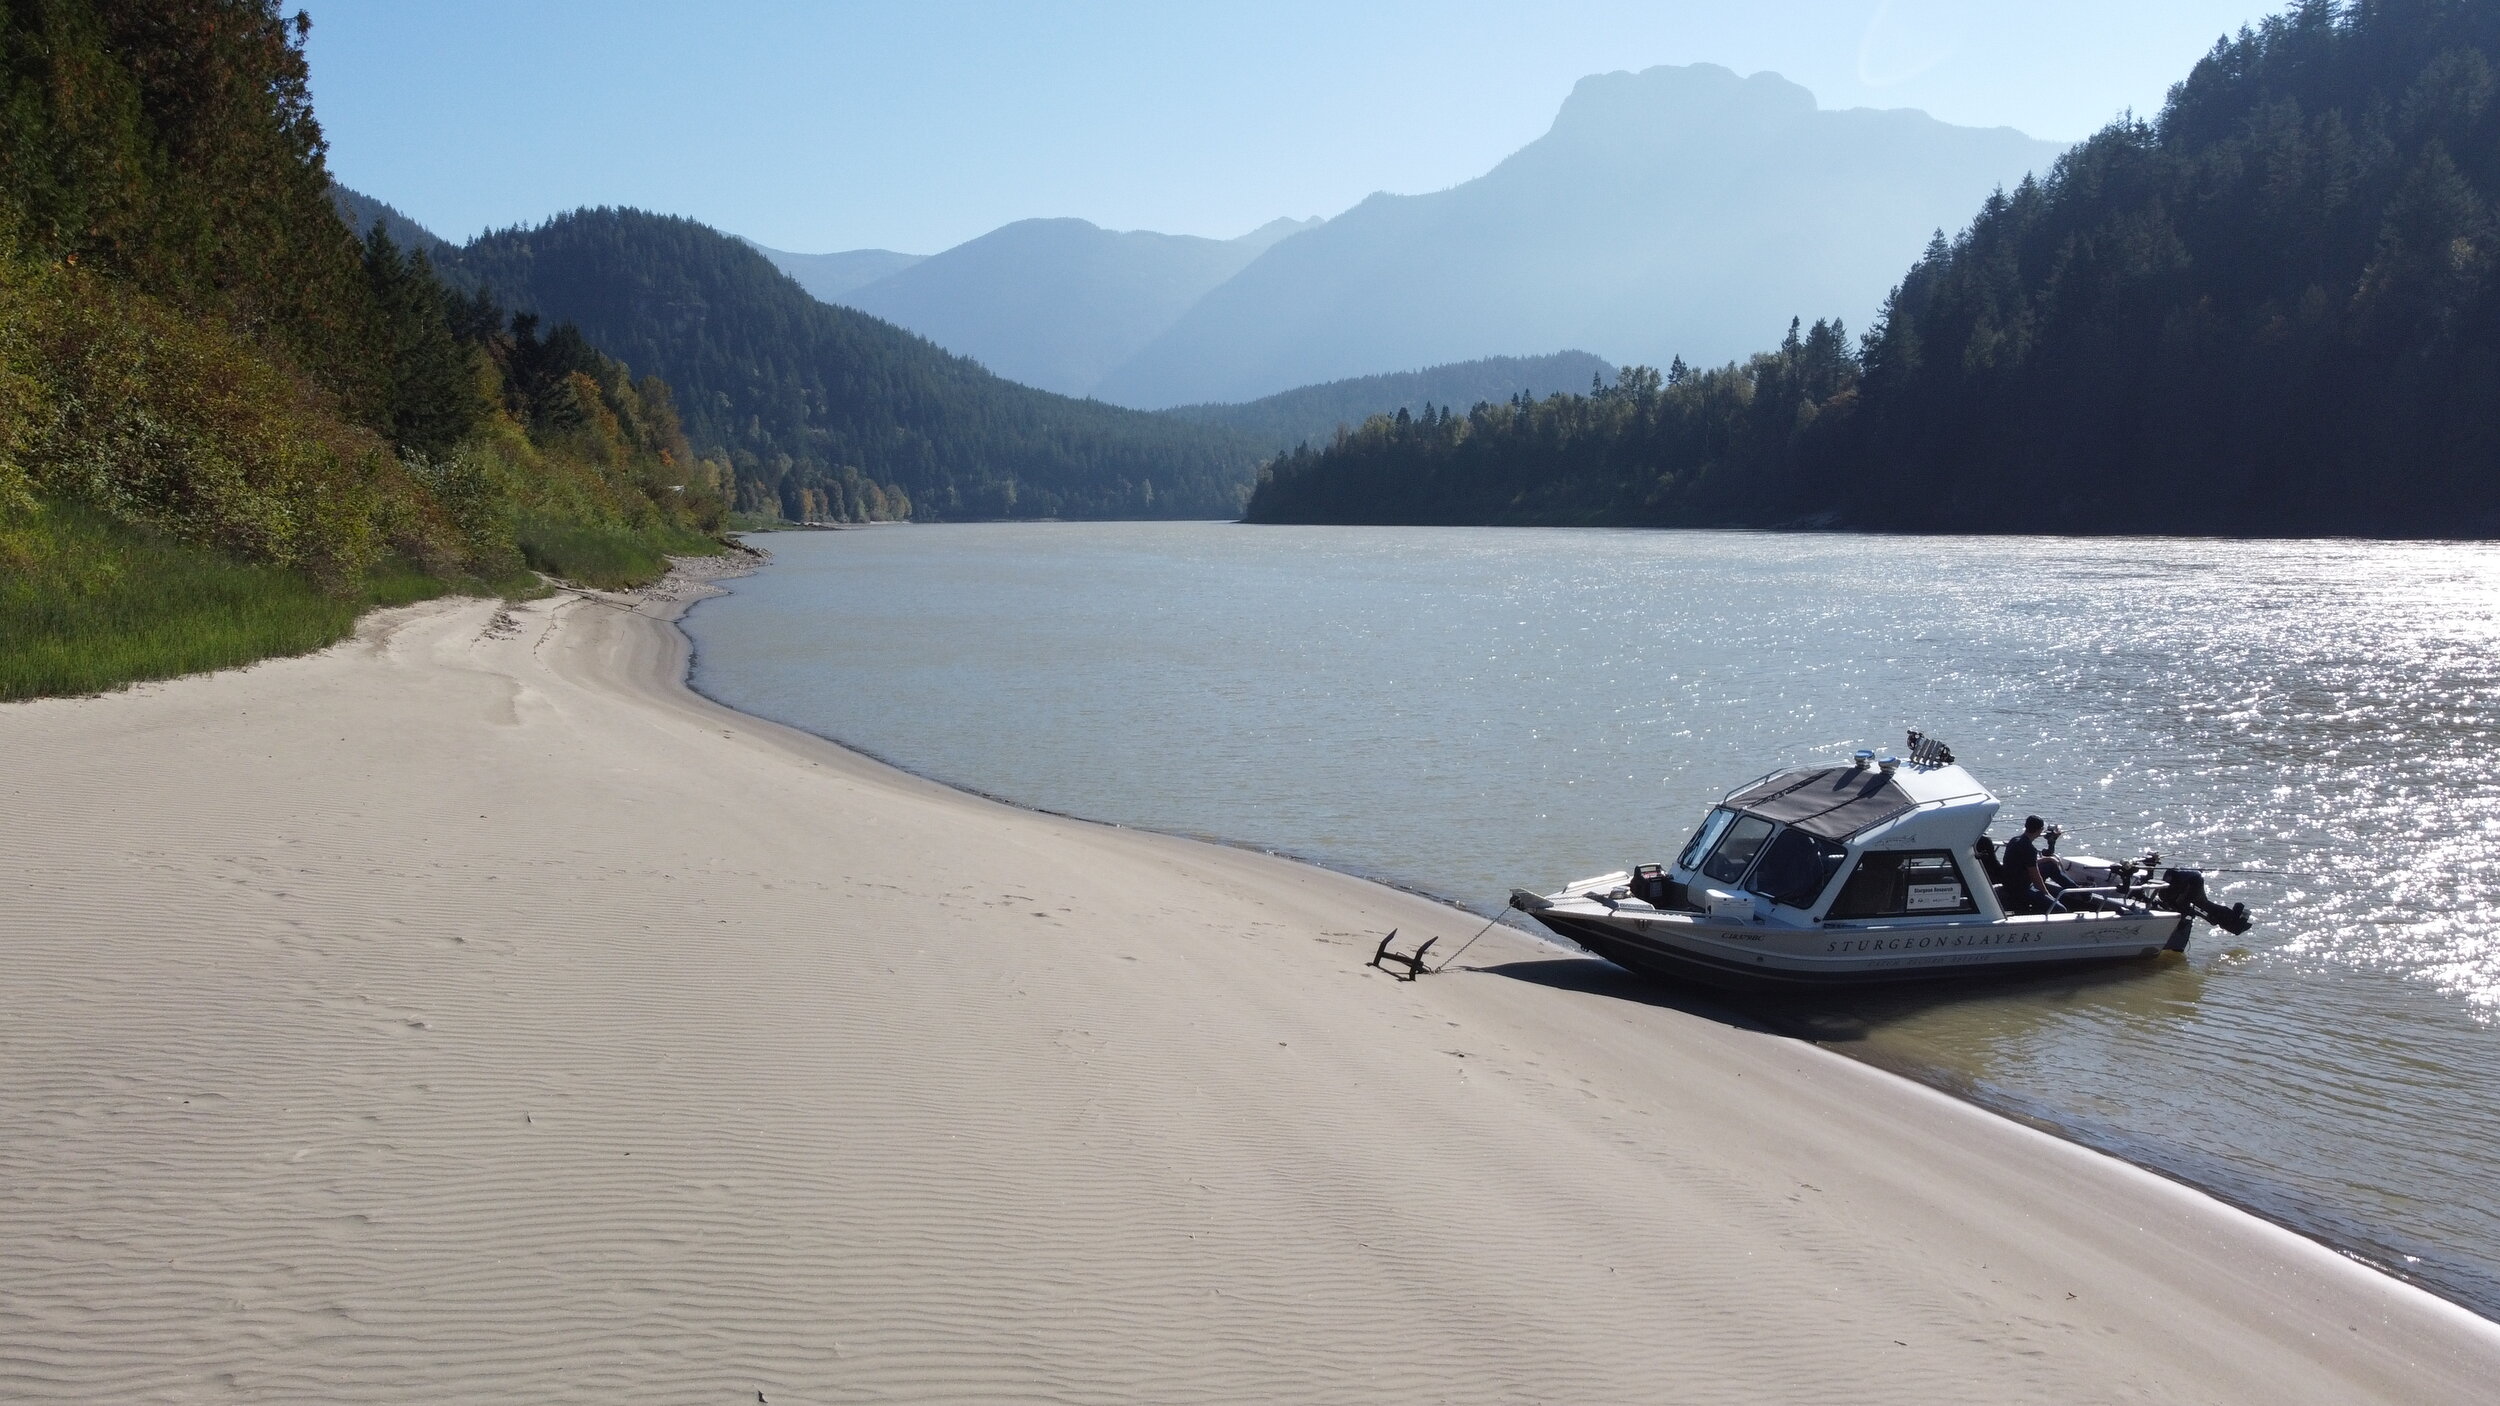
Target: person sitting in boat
{"type": "Point", "coordinates": [2024, 888]}
{"type": "Point", "coordinates": [1985, 851]}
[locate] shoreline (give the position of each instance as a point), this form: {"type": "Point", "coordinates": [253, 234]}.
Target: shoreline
{"type": "Point", "coordinates": [1702, 1005]}
{"type": "Point", "coordinates": [492, 1013]}
{"type": "Point", "coordinates": [1923, 1075]}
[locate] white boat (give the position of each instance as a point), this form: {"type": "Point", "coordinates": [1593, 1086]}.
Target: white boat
{"type": "Point", "coordinates": [1866, 871]}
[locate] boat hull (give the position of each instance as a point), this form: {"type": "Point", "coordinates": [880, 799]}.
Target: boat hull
{"type": "Point", "coordinates": [1786, 960]}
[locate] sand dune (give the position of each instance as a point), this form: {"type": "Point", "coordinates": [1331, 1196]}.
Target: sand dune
{"type": "Point", "coordinates": [473, 1014]}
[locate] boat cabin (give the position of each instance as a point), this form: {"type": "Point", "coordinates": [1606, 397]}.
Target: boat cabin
{"type": "Point", "coordinates": [1869, 840]}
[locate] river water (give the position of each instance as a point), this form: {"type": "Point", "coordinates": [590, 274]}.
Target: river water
{"type": "Point", "coordinates": [1465, 710]}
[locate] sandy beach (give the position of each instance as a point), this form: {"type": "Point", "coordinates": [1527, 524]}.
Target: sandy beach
{"type": "Point", "coordinates": [470, 1012]}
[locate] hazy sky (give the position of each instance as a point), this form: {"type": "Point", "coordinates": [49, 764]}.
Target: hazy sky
{"type": "Point", "coordinates": [916, 124]}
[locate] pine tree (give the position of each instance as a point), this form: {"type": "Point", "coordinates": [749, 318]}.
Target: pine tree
{"type": "Point", "coordinates": [433, 401]}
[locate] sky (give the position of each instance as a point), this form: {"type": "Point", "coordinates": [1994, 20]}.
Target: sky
{"type": "Point", "coordinates": [918, 124]}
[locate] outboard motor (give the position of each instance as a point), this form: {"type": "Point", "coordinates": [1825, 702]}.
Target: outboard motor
{"type": "Point", "coordinates": [2185, 893]}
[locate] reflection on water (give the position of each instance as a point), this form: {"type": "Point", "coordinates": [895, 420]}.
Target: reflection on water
{"type": "Point", "coordinates": [1994, 1013]}
{"type": "Point", "coordinates": [1463, 710]}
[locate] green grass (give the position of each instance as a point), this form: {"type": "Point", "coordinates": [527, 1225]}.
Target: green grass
{"type": "Point", "coordinates": [603, 557]}
{"type": "Point", "coordinates": [88, 604]}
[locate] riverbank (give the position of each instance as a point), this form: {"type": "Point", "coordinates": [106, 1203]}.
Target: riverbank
{"type": "Point", "coordinates": [470, 1011]}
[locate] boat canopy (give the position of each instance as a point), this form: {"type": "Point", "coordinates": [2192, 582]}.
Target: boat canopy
{"type": "Point", "coordinates": [1832, 802]}
{"type": "Point", "coordinates": [1927, 800]}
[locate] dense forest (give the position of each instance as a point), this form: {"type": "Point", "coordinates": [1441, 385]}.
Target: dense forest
{"type": "Point", "coordinates": [206, 377]}
{"type": "Point", "coordinates": [1306, 413]}
{"type": "Point", "coordinates": [1650, 448]}
{"type": "Point", "coordinates": [2271, 309]}
{"type": "Point", "coordinates": [816, 403]}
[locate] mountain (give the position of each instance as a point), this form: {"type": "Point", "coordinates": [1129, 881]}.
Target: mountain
{"type": "Point", "coordinates": [1311, 414]}
{"type": "Point", "coordinates": [362, 212]}
{"type": "Point", "coordinates": [1057, 303]}
{"type": "Point", "coordinates": [796, 390]}
{"type": "Point", "coordinates": [2274, 310]}
{"type": "Point", "coordinates": [832, 277]}
{"type": "Point", "coordinates": [1671, 211]}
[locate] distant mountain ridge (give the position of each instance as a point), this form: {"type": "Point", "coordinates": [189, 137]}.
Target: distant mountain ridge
{"type": "Point", "coordinates": [833, 277]}
{"type": "Point", "coordinates": [1312, 414]}
{"type": "Point", "coordinates": [1676, 211]}
{"type": "Point", "coordinates": [1054, 303]}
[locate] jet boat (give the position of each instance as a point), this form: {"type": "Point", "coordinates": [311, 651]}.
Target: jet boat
{"type": "Point", "coordinates": [1867, 871]}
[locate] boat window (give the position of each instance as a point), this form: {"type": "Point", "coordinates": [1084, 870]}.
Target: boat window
{"type": "Point", "coordinates": [1736, 849]}
{"type": "Point", "coordinates": [1903, 884]}
{"type": "Point", "coordinates": [1711, 829]}
{"type": "Point", "coordinates": [1795, 868]}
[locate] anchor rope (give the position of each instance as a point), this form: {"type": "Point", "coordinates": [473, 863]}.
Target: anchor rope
{"type": "Point", "coordinates": [1462, 951]}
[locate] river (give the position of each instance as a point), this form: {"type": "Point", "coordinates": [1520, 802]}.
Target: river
{"type": "Point", "coordinates": [1465, 710]}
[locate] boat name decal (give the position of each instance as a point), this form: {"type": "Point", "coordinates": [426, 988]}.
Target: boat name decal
{"type": "Point", "coordinates": [1933, 940]}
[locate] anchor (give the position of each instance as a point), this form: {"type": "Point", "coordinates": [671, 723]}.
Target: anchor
{"type": "Point", "coordinates": [1413, 961]}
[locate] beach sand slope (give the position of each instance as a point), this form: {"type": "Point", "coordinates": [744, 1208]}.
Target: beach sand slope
{"type": "Point", "coordinates": [472, 1013]}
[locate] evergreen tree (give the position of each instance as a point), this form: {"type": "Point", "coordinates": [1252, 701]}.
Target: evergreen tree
{"type": "Point", "coordinates": [433, 402]}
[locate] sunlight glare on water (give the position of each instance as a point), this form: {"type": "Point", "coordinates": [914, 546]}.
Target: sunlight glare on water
{"type": "Point", "coordinates": [1464, 710]}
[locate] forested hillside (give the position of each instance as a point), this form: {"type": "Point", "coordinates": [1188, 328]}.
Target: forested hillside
{"type": "Point", "coordinates": [1312, 414]}
{"type": "Point", "coordinates": [2272, 309]}
{"type": "Point", "coordinates": [226, 424]}
{"type": "Point", "coordinates": [806, 398]}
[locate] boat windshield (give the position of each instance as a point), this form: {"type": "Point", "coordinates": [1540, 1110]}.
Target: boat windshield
{"type": "Point", "coordinates": [1796, 867]}
{"type": "Point", "coordinates": [1736, 849]}
{"type": "Point", "coordinates": [1712, 827]}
